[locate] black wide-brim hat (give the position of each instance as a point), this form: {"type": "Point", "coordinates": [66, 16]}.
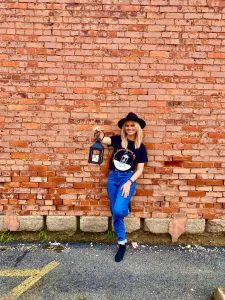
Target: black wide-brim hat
{"type": "Point", "coordinates": [132, 117]}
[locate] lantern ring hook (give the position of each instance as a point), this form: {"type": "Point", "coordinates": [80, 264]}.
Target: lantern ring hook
{"type": "Point", "coordinates": [98, 138]}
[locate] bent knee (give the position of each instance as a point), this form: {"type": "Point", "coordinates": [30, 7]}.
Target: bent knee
{"type": "Point", "coordinates": [120, 213]}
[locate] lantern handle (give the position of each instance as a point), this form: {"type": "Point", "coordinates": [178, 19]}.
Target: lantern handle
{"type": "Point", "coordinates": [98, 138]}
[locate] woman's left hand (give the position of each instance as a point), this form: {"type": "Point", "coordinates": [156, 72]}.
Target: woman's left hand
{"type": "Point", "coordinates": [126, 189]}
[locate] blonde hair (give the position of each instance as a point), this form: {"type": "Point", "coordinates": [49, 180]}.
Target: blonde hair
{"type": "Point", "coordinates": [138, 138]}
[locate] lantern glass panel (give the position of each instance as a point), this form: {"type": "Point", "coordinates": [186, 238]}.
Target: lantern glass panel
{"type": "Point", "coordinates": [95, 156]}
{"type": "Point", "coordinates": [96, 153]}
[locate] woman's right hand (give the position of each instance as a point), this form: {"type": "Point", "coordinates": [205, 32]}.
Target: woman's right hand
{"type": "Point", "coordinates": [99, 133]}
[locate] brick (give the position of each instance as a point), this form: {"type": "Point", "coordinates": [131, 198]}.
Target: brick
{"type": "Point", "coordinates": [143, 192]}
{"type": "Point", "coordinates": [215, 225]}
{"type": "Point", "coordinates": [61, 223]}
{"type": "Point", "coordinates": [133, 8]}
{"type": "Point", "coordinates": [56, 179]}
{"type": "Point", "coordinates": [21, 144]}
{"type": "Point", "coordinates": [181, 158]}
{"type": "Point", "coordinates": [2, 224]}
{"type": "Point", "coordinates": [219, 135]}
{"type": "Point", "coordinates": [195, 226]}
{"type": "Point", "coordinates": [132, 224]}
{"type": "Point", "coordinates": [31, 125]}
{"type": "Point", "coordinates": [29, 156]}
{"type": "Point", "coordinates": [137, 91]}
{"type": "Point", "coordinates": [82, 185]}
{"type": "Point", "coordinates": [20, 178]}
{"type": "Point", "coordinates": [30, 223]}
{"type": "Point", "coordinates": [157, 225]}
{"type": "Point", "coordinates": [162, 54]}
{"type": "Point", "coordinates": [196, 194]}
{"type": "Point", "coordinates": [17, 107]}
{"type": "Point", "coordinates": [38, 89]}
{"type": "Point", "coordinates": [46, 207]}
{"type": "Point", "coordinates": [38, 168]}
{"type": "Point", "coordinates": [216, 3]}
{"type": "Point", "coordinates": [5, 179]}
{"type": "Point", "coordinates": [38, 179]}
{"type": "Point", "coordinates": [93, 224]}
{"type": "Point", "coordinates": [17, 5]}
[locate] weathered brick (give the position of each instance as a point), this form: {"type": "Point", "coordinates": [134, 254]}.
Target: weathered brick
{"type": "Point", "coordinates": [215, 225]}
{"type": "Point", "coordinates": [19, 144]}
{"type": "Point", "coordinates": [2, 224]}
{"type": "Point", "coordinates": [156, 225]}
{"type": "Point", "coordinates": [132, 224]}
{"type": "Point", "coordinates": [30, 223]}
{"type": "Point", "coordinates": [93, 224]}
{"type": "Point", "coordinates": [195, 226]}
{"type": "Point", "coordinates": [163, 54]}
{"type": "Point", "coordinates": [61, 223]}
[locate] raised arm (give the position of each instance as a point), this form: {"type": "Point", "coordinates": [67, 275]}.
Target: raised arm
{"type": "Point", "coordinates": [100, 134]}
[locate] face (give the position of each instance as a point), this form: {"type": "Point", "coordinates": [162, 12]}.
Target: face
{"type": "Point", "coordinates": [130, 129]}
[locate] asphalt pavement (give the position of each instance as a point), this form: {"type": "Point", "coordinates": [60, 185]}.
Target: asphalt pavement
{"type": "Point", "coordinates": [88, 271]}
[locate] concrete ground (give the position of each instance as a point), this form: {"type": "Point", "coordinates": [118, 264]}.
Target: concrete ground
{"type": "Point", "coordinates": [87, 271]}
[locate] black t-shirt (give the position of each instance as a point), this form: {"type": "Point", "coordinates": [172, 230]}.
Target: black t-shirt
{"type": "Point", "coordinates": [126, 159]}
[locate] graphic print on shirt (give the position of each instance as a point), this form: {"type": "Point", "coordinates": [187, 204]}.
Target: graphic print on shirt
{"type": "Point", "coordinates": [123, 159]}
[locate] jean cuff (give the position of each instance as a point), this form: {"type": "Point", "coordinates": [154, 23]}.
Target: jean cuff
{"type": "Point", "coordinates": [122, 242]}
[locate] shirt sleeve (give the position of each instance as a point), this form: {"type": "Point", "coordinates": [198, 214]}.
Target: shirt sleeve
{"type": "Point", "coordinates": [115, 141]}
{"type": "Point", "coordinates": [142, 155]}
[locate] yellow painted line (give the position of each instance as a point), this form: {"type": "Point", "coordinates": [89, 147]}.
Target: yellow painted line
{"type": "Point", "coordinates": [29, 282]}
{"type": "Point", "coordinates": [19, 273]}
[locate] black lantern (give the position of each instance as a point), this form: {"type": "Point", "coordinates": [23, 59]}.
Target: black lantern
{"type": "Point", "coordinates": [96, 152]}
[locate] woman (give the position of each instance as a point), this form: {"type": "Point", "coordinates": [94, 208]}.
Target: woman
{"type": "Point", "coordinates": [125, 167]}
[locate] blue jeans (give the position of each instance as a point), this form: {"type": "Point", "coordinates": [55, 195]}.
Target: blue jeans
{"type": "Point", "coordinates": [118, 203]}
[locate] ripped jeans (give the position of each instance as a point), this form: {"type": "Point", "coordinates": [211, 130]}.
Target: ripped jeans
{"type": "Point", "coordinates": [119, 204]}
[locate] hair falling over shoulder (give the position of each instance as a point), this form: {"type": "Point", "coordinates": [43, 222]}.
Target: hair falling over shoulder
{"type": "Point", "coordinates": [138, 139]}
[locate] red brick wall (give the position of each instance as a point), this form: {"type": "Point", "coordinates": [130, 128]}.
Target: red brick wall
{"type": "Point", "coordinates": [70, 65]}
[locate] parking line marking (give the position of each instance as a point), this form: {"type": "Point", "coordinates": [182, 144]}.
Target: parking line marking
{"type": "Point", "coordinates": [18, 273]}
{"type": "Point", "coordinates": [35, 275]}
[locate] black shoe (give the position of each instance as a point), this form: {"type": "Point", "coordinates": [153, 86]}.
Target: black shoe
{"type": "Point", "coordinates": [120, 253]}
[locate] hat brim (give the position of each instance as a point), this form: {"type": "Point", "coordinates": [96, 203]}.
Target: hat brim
{"type": "Point", "coordinates": [138, 120]}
